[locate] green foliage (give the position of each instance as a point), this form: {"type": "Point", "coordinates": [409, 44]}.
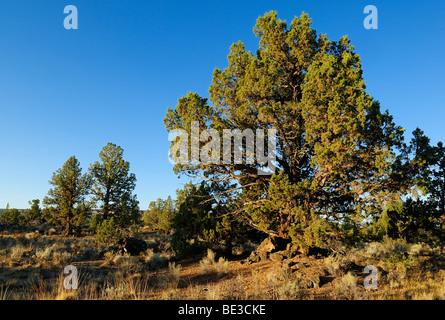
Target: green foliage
{"type": "Point", "coordinates": [198, 222]}
{"type": "Point", "coordinates": [108, 232]}
{"type": "Point", "coordinates": [159, 215]}
{"type": "Point", "coordinates": [416, 220]}
{"type": "Point", "coordinates": [335, 149]}
{"type": "Point", "coordinates": [113, 186]}
{"type": "Point", "coordinates": [66, 204]}
{"type": "Point", "coordinates": [11, 217]}
{"type": "Point", "coordinates": [316, 232]}
{"type": "Point", "coordinates": [95, 222]}
{"type": "Point", "coordinates": [35, 212]}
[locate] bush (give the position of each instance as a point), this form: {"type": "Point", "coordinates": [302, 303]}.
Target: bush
{"type": "Point", "coordinates": [155, 260]}
{"type": "Point", "coordinates": [11, 217]}
{"type": "Point", "coordinates": [208, 264]}
{"type": "Point", "coordinates": [107, 232]}
{"type": "Point", "coordinates": [95, 222]}
{"type": "Point", "coordinates": [17, 252]}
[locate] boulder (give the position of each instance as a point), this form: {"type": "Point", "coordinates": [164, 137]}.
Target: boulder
{"type": "Point", "coordinates": [131, 246]}
{"type": "Point", "coordinates": [318, 252]}
{"type": "Point", "coordinates": [268, 247]}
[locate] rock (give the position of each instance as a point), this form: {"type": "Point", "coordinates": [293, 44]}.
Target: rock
{"type": "Point", "coordinates": [315, 281]}
{"type": "Point", "coordinates": [276, 256]}
{"type": "Point", "coordinates": [287, 263]}
{"type": "Point", "coordinates": [292, 251]}
{"type": "Point", "coordinates": [262, 252]}
{"type": "Point", "coordinates": [131, 246]}
{"type": "Point", "coordinates": [266, 246]}
{"type": "Point", "coordinates": [318, 252]}
{"type": "Point", "coordinates": [300, 266]}
{"type": "Point", "coordinates": [275, 249]}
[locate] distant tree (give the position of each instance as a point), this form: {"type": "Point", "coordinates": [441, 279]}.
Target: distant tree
{"type": "Point", "coordinates": [159, 215]}
{"type": "Point", "coordinates": [437, 184]}
{"type": "Point", "coordinates": [113, 185]}
{"type": "Point", "coordinates": [152, 216]}
{"type": "Point", "coordinates": [35, 212]}
{"type": "Point", "coordinates": [420, 216]}
{"type": "Point", "coordinates": [11, 217]}
{"type": "Point", "coordinates": [66, 203]}
{"type": "Point", "coordinates": [168, 212]}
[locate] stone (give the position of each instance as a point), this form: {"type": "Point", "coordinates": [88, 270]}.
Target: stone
{"type": "Point", "coordinates": [288, 263]}
{"type": "Point", "coordinates": [266, 246]}
{"type": "Point", "coordinates": [315, 281]}
{"type": "Point", "coordinates": [131, 246]}
{"type": "Point", "coordinates": [276, 256]}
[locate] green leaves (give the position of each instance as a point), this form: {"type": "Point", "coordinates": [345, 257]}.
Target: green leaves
{"type": "Point", "coordinates": [113, 185]}
{"type": "Point", "coordinates": [339, 158]}
{"type": "Point", "coordinates": [66, 202]}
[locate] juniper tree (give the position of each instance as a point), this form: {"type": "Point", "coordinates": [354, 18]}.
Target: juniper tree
{"type": "Point", "coordinates": [200, 220]}
{"type": "Point", "coordinates": [34, 212]}
{"type": "Point", "coordinates": [113, 186]}
{"type": "Point", "coordinates": [335, 147]}
{"type": "Point", "coordinates": [65, 203]}
{"type": "Point", "coordinates": [421, 215]}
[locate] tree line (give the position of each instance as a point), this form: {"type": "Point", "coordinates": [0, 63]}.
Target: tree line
{"type": "Point", "coordinates": [107, 189]}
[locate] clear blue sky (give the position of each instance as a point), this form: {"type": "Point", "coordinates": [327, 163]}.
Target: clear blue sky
{"type": "Point", "coordinates": [69, 92]}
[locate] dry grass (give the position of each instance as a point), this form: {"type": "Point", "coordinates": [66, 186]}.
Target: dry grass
{"type": "Point", "coordinates": [31, 267]}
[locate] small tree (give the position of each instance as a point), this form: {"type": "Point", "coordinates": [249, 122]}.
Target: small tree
{"type": "Point", "coordinates": [65, 203]}
{"type": "Point", "coordinates": [159, 215]}
{"type": "Point", "coordinates": [200, 221]}
{"type": "Point", "coordinates": [152, 215]}
{"type": "Point", "coordinates": [108, 232]}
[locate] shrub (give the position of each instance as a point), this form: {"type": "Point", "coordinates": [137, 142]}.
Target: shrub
{"type": "Point", "coordinates": [288, 291]}
{"type": "Point", "coordinates": [347, 287]}
{"type": "Point", "coordinates": [62, 257]}
{"type": "Point", "coordinates": [208, 264]}
{"type": "Point", "coordinates": [45, 254]}
{"type": "Point", "coordinates": [108, 232]}
{"type": "Point", "coordinates": [175, 273]}
{"type": "Point", "coordinates": [17, 252]}
{"type": "Point", "coordinates": [332, 265]}
{"type": "Point", "coordinates": [155, 260]}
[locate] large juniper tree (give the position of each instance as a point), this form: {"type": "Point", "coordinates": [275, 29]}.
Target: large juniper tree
{"type": "Point", "coordinates": [335, 147]}
{"type": "Point", "coordinates": [113, 186]}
